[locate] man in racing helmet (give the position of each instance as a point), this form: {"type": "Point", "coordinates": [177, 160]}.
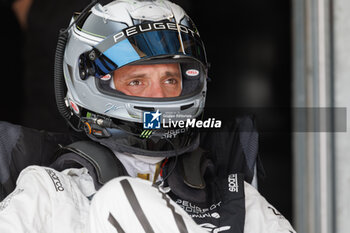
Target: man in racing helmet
{"type": "Point", "coordinates": [119, 67]}
{"type": "Point", "coordinates": [107, 42]}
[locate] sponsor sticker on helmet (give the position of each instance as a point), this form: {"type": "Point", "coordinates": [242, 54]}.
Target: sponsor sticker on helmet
{"type": "Point", "coordinates": [106, 77]}
{"type": "Point", "coordinates": [74, 107]}
{"type": "Point", "coordinates": [192, 72]}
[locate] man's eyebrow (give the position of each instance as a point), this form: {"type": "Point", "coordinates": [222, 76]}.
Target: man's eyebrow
{"type": "Point", "coordinates": [143, 75]}
{"type": "Point", "coordinates": [172, 74]}
{"type": "Point", "coordinates": [137, 75]}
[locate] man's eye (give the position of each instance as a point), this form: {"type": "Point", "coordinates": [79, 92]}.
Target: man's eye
{"type": "Point", "coordinates": [171, 81]}
{"type": "Point", "coordinates": [134, 83]}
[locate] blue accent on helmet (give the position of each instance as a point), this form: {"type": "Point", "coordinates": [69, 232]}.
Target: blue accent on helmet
{"type": "Point", "coordinates": [122, 53]}
{"type": "Point", "coordinates": [101, 66]}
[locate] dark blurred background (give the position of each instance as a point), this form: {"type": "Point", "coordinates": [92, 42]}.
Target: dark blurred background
{"type": "Point", "coordinates": [248, 45]}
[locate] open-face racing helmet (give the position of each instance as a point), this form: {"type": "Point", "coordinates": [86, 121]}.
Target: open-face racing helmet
{"type": "Point", "coordinates": [104, 38]}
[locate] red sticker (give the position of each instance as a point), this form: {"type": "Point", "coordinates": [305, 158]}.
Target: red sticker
{"type": "Point", "coordinates": [106, 77]}
{"type": "Point", "coordinates": [192, 72]}
{"type": "Point", "coordinates": [74, 107]}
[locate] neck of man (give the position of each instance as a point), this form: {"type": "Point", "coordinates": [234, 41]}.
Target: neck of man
{"type": "Point", "coordinates": [144, 167]}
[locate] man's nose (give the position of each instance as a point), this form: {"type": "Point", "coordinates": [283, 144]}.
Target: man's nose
{"type": "Point", "coordinates": [156, 91]}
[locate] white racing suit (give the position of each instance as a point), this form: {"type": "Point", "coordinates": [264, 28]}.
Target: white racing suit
{"type": "Point", "coordinates": [47, 201]}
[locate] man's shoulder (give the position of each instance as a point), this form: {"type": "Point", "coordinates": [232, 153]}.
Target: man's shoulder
{"type": "Point", "coordinates": [261, 216]}
{"type": "Point", "coordinates": [44, 178]}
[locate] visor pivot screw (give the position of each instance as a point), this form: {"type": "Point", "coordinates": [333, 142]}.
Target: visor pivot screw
{"type": "Point", "coordinates": [92, 55]}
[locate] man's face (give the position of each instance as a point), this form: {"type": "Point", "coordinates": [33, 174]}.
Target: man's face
{"type": "Point", "coordinates": [157, 81]}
